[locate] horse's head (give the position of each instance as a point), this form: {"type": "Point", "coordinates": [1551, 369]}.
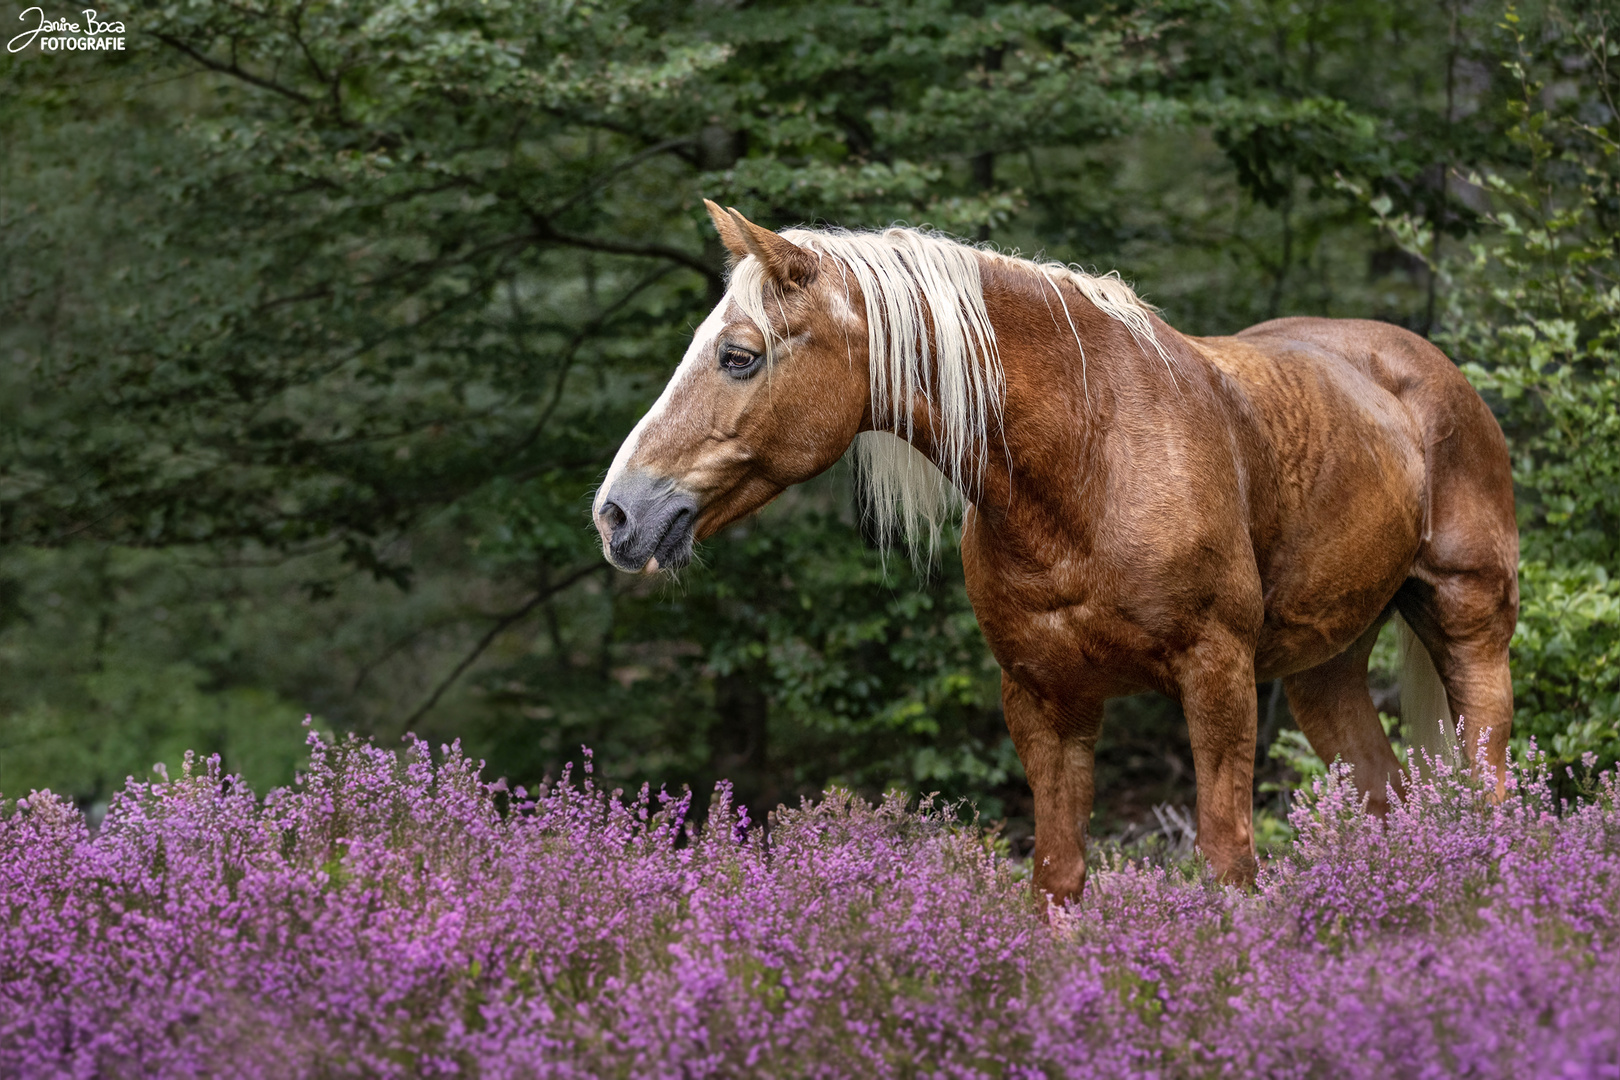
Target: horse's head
{"type": "Point", "coordinates": [771, 392]}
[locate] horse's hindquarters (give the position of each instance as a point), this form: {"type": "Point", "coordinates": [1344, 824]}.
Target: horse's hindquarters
{"type": "Point", "coordinates": [1336, 495]}
{"type": "Point", "coordinates": [1459, 591]}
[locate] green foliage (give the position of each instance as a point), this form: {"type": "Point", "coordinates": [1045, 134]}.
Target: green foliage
{"type": "Point", "coordinates": [1567, 660]}
{"type": "Point", "coordinates": [90, 701]}
{"type": "Point", "coordinates": [133, 719]}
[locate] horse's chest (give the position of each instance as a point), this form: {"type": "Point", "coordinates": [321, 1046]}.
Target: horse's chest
{"type": "Point", "coordinates": [1065, 629]}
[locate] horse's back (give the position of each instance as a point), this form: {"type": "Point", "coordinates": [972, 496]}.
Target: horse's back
{"type": "Point", "coordinates": [1407, 367]}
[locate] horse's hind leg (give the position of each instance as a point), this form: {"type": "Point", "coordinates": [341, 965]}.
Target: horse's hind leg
{"type": "Point", "coordinates": [1333, 708]}
{"type": "Point", "coordinates": [1465, 620]}
{"type": "Point", "coordinates": [1462, 596]}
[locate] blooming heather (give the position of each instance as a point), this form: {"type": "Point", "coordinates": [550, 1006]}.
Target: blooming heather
{"type": "Point", "coordinates": [392, 916]}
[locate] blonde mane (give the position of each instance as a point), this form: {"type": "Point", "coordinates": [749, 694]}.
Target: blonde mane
{"type": "Point", "coordinates": [928, 335]}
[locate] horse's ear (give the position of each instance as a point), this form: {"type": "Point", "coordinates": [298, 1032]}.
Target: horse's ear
{"type": "Point", "coordinates": [730, 235]}
{"type": "Point", "coordinates": [785, 262]}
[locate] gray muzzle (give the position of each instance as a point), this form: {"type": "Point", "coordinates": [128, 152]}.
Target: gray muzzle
{"type": "Point", "coordinates": [645, 518]}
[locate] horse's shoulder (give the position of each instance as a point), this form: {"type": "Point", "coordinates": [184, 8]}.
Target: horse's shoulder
{"type": "Point", "coordinates": [1235, 357]}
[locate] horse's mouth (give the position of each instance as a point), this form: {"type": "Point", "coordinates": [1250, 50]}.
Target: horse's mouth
{"type": "Point", "coordinates": [674, 547]}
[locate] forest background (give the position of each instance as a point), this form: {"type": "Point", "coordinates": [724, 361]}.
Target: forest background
{"type": "Point", "coordinates": [320, 321]}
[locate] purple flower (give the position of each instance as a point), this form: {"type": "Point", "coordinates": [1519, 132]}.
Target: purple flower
{"type": "Point", "coordinates": [393, 915]}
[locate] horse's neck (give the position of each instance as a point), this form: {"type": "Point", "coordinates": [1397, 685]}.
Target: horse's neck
{"type": "Point", "coordinates": [1072, 375]}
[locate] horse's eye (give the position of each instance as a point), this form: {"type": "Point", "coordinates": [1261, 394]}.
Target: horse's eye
{"type": "Point", "coordinates": [737, 361]}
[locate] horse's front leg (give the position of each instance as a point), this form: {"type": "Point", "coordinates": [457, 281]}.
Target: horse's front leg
{"type": "Point", "coordinates": [1057, 743]}
{"type": "Point", "coordinates": [1218, 696]}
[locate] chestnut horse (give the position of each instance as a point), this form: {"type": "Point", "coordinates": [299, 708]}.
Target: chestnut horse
{"type": "Point", "coordinates": [1142, 510]}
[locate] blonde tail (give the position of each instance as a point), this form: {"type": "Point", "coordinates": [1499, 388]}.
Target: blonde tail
{"type": "Point", "coordinates": [1425, 709]}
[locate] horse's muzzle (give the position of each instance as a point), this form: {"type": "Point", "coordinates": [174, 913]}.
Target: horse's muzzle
{"type": "Point", "coordinates": [646, 523]}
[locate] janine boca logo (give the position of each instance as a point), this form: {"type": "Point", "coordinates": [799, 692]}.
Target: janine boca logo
{"type": "Point", "coordinates": [89, 34]}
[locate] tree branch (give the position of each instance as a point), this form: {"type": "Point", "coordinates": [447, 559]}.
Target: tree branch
{"type": "Point", "coordinates": [545, 231]}
{"type": "Point", "coordinates": [233, 69]}
{"type": "Point", "coordinates": [572, 349]}
{"type": "Point", "coordinates": [425, 266]}
{"type": "Point", "coordinates": [599, 181]}
{"type": "Point", "coordinates": [501, 624]}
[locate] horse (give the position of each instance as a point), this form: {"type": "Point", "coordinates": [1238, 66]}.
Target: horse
{"type": "Point", "coordinates": [1140, 509]}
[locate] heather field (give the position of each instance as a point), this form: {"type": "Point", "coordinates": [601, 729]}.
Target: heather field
{"type": "Point", "coordinates": [393, 915]}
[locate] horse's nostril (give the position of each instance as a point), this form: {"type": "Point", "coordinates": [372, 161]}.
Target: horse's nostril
{"type": "Point", "coordinates": [614, 516]}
